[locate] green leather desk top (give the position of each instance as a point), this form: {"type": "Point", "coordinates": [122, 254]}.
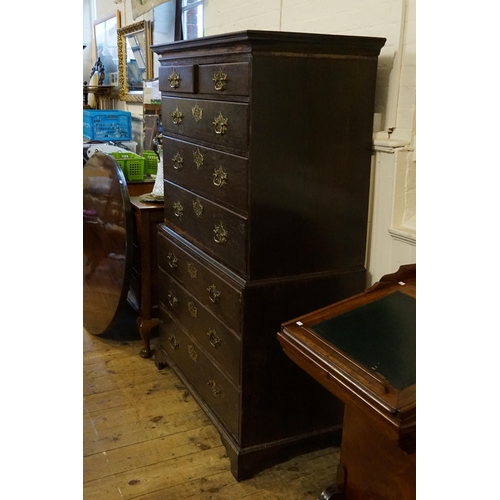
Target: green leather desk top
{"type": "Point", "coordinates": [380, 335]}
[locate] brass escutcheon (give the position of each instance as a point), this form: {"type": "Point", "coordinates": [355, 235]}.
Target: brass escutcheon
{"type": "Point", "coordinates": [198, 208]}
{"type": "Point", "coordinates": [215, 390]}
{"type": "Point", "coordinates": [172, 260]}
{"type": "Point", "coordinates": [220, 177]}
{"type": "Point", "coordinates": [193, 311]}
{"type": "Point", "coordinates": [178, 209]}
{"type": "Point", "coordinates": [213, 293]}
{"type": "Point", "coordinates": [220, 80]}
{"type": "Point", "coordinates": [177, 116]}
{"type": "Point", "coordinates": [178, 161]}
{"type": "Point", "coordinates": [197, 113]}
{"type": "Point", "coordinates": [220, 124]}
{"type": "Point", "coordinates": [220, 233]}
{"type": "Point", "coordinates": [192, 352]}
{"type": "Point", "coordinates": [174, 80]}
{"type": "Point", "coordinates": [213, 337]}
{"type": "Point", "coordinates": [198, 158]}
{"type": "Point", "coordinates": [193, 272]}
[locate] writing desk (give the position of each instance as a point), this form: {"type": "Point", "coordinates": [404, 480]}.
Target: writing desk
{"type": "Point", "coordinates": [143, 292]}
{"type": "Point", "coordinates": [362, 350]}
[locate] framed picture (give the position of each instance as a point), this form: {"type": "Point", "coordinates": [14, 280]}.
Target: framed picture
{"type": "Point", "coordinates": [106, 47]}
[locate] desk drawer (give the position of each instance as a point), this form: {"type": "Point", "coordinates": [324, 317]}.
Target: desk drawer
{"type": "Point", "coordinates": [216, 175]}
{"type": "Point", "coordinates": [217, 122]}
{"type": "Point", "coordinates": [177, 78]}
{"type": "Point", "coordinates": [224, 79]}
{"type": "Point", "coordinates": [197, 277]}
{"type": "Point", "coordinates": [220, 232]}
{"type": "Point", "coordinates": [217, 339]}
{"type": "Point", "coordinates": [208, 381]}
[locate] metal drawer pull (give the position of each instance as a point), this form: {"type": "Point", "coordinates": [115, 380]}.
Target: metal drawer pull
{"type": "Point", "coordinates": [193, 272]}
{"type": "Point", "coordinates": [220, 234]}
{"type": "Point", "coordinates": [220, 80]}
{"type": "Point", "coordinates": [198, 208]}
{"type": "Point", "coordinates": [220, 177]}
{"type": "Point", "coordinates": [174, 80]}
{"type": "Point", "coordinates": [178, 209]}
{"type": "Point", "coordinates": [197, 113]}
{"type": "Point", "coordinates": [193, 311]}
{"type": "Point", "coordinates": [172, 260]}
{"type": "Point", "coordinates": [172, 299]}
{"type": "Point", "coordinates": [198, 158]}
{"type": "Point", "coordinates": [213, 337]}
{"type": "Point", "coordinates": [192, 352]}
{"type": "Point", "coordinates": [173, 342]}
{"type": "Point", "coordinates": [215, 390]}
{"type": "Point", "coordinates": [178, 161]}
{"type": "Point", "coordinates": [177, 116]}
{"type": "Point", "coordinates": [213, 293]}
{"type": "Point", "coordinates": [220, 124]}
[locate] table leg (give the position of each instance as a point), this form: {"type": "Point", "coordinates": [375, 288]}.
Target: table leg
{"type": "Point", "coordinates": [145, 331]}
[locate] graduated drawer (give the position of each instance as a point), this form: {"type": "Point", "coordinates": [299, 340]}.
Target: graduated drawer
{"type": "Point", "coordinates": [217, 230]}
{"type": "Point", "coordinates": [209, 288]}
{"type": "Point", "coordinates": [207, 379]}
{"type": "Point", "coordinates": [216, 175]}
{"type": "Point", "coordinates": [217, 122]}
{"type": "Point", "coordinates": [177, 78]}
{"type": "Point", "coordinates": [215, 337]}
{"type": "Point", "coordinates": [223, 79]}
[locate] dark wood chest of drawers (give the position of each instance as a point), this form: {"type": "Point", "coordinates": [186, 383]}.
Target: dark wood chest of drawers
{"type": "Point", "coordinates": [266, 153]}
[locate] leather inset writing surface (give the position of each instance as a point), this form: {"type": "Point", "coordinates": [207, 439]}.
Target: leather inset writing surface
{"type": "Point", "coordinates": [380, 335]}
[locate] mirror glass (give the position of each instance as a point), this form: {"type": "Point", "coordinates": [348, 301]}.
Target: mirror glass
{"type": "Point", "coordinates": [135, 60]}
{"type": "Point", "coordinates": [106, 46]}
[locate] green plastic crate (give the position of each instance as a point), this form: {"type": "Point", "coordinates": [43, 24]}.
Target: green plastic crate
{"type": "Point", "coordinates": [150, 162]}
{"type": "Point", "coordinates": [131, 164]}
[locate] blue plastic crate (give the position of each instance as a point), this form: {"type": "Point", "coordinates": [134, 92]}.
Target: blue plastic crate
{"type": "Point", "coordinates": [107, 125]}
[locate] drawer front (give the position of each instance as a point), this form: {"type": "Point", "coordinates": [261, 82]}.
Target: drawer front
{"type": "Point", "coordinates": [219, 176]}
{"type": "Point", "coordinates": [224, 79]}
{"type": "Point", "coordinates": [210, 333]}
{"type": "Point", "coordinates": [217, 122]}
{"type": "Point", "coordinates": [220, 232]}
{"type": "Point", "coordinates": [177, 78]}
{"type": "Point", "coordinates": [223, 300]}
{"type": "Point", "coordinates": [209, 382]}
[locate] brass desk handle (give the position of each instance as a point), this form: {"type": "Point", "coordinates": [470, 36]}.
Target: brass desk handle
{"type": "Point", "coordinates": [220, 177]}
{"type": "Point", "coordinates": [173, 342]}
{"type": "Point", "coordinates": [173, 300]}
{"type": "Point", "coordinates": [178, 209]}
{"type": "Point", "coordinates": [177, 116]}
{"type": "Point", "coordinates": [220, 80]}
{"type": "Point", "coordinates": [220, 234]}
{"type": "Point", "coordinates": [213, 293]}
{"type": "Point", "coordinates": [172, 260]}
{"type": "Point", "coordinates": [213, 386]}
{"type": "Point", "coordinates": [178, 161]}
{"type": "Point", "coordinates": [214, 339]}
{"type": "Point", "coordinates": [220, 124]}
{"type": "Point", "coordinates": [174, 80]}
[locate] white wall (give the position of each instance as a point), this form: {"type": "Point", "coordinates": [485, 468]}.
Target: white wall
{"type": "Point", "coordinates": [392, 224]}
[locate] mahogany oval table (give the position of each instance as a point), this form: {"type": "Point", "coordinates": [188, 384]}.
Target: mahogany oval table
{"type": "Point", "coordinates": [107, 243]}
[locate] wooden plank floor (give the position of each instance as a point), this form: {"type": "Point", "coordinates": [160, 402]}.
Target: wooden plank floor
{"type": "Point", "coordinates": [144, 437]}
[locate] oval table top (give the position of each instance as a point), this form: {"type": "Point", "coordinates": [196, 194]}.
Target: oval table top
{"type": "Point", "coordinates": [107, 243]}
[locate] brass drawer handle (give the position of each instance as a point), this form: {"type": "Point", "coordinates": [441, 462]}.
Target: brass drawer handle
{"type": "Point", "coordinates": [173, 300]}
{"type": "Point", "coordinates": [220, 80]}
{"type": "Point", "coordinates": [220, 234]}
{"type": "Point", "coordinates": [172, 260]}
{"type": "Point", "coordinates": [177, 116]}
{"type": "Point", "coordinates": [174, 80]}
{"type": "Point", "coordinates": [213, 337]}
{"type": "Point", "coordinates": [173, 342]}
{"type": "Point", "coordinates": [192, 353]}
{"type": "Point", "coordinates": [213, 386]}
{"type": "Point", "coordinates": [197, 113]}
{"type": "Point", "coordinates": [220, 124]}
{"type": "Point", "coordinates": [198, 158]}
{"type": "Point", "coordinates": [193, 311]}
{"type": "Point", "coordinates": [213, 293]}
{"type": "Point", "coordinates": [178, 209]}
{"type": "Point", "coordinates": [220, 177]}
{"type": "Point", "coordinates": [193, 272]}
{"type": "Point", "coordinates": [178, 161]}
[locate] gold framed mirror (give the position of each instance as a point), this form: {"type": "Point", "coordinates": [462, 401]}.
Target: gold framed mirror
{"type": "Point", "coordinates": [135, 60]}
{"type": "Point", "coordinates": [105, 45]}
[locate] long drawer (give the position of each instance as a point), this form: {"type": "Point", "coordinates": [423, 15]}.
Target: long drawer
{"type": "Point", "coordinates": [215, 337]}
{"type": "Point", "coordinates": [211, 384]}
{"type": "Point", "coordinates": [220, 232]}
{"type": "Point", "coordinates": [216, 175]}
{"type": "Point", "coordinates": [215, 293]}
{"type": "Point", "coordinates": [223, 124]}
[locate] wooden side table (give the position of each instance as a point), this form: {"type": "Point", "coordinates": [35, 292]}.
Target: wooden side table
{"type": "Point", "coordinates": [362, 350]}
{"type": "Point", "coordinates": [143, 292]}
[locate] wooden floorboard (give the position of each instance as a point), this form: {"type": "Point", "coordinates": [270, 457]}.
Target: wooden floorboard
{"type": "Point", "coordinates": [145, 438]}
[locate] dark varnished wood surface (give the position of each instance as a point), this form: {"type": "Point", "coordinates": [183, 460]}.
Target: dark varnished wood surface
{"type": "Point", "coordinates": [107, 242]}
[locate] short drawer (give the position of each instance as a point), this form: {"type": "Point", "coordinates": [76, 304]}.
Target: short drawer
{"type": "Point", "coordinates": [207, 379]}
{"type": "Point", "coordinates": [217, 122]}
{"type": "Point", "coordinates": [215, 293]}
{"type": "Point", "coordinates": [218, 231]}
{"type": "Point", "coordinates": [216, 175]}
{"type": "Point", "coordinates": [177, 78]}
{"type": "Point", "coordinates": [224, 79]}
{"type": "Point", "coordinates": [216, 338]}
